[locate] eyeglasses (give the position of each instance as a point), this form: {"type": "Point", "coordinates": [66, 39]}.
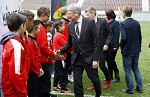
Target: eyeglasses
{"type": "Point", "coordinates": [48, 15]}
{"type": "Point", "coordinates": [71, 13]}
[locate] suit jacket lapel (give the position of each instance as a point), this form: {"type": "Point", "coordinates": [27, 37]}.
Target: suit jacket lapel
{"type": "Point", "coordinates": [98, 25]}
{"type": "Point", "coordinates": [73, 31]}
{"type": "Point", "coordinates": [82, 27]}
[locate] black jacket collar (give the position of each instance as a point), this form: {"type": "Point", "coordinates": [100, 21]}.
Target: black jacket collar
{"type": "Point", "coordinates": [31, 37]}
{"type": "Point", "coordinates": [41, 22]}
{"type": "Point", "coordinates": [66, 20]}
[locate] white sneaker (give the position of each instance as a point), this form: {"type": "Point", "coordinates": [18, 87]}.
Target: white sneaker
{"type": "Point", "coordinates": [70, 77]}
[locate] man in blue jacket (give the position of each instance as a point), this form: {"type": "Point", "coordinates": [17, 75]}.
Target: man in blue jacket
{"type": "Point", "coordinates": [130, 49]}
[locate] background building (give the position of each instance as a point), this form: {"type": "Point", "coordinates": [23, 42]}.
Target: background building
{"type": "Point", "coordinates": [141, 8]}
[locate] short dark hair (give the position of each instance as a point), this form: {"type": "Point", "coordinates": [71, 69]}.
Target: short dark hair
{"type": "Point", "coordinates": [43, 10]}
{"type": "Point", "coordinates": [58, 24]}
{"type": "Point", "coordinates": [35, 25]}
{"type": "Point", "coordinates": [91, 9]}
{"type": "Point", "coordinates": [127, 10]}
{"type": "Point", "coordinates": [110, 14]}
{"type": "Point", "coordinates": [15, 20]}
{"type": "Point", "coordinates": [29, 15]}
{"type": "Point", "coordinates": [48, 23]}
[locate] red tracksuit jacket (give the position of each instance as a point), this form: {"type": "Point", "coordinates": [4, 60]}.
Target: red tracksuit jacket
{"type": "Point", "coordinates": [14, 62]}
{"type": "Point", "coordinates": [59, 41]}
{"type": "Point", "coordinates": [42, 41]}
{"type": "Point", "coordinates": [25, 40]}
{"type": "Point", "coordinates": [65, 32]}
{"type": "Point", "coordinates": [35, 55]}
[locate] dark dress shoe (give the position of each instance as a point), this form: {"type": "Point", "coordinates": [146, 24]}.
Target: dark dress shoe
{"type": "Point", "coordinates": [140, 91]}
{"type": "Point", "coordinates": [126, 91]}
{"type": "Point", "coordinates": [97, 96]}
{"type": "Point", "coordinates": [115, 80]}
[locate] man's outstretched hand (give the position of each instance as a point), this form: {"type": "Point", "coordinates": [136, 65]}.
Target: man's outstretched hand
{"type": "Point", "coordinates": [58, 56]}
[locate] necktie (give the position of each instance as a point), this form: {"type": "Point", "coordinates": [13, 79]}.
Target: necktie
{"type": "Point", "coordinates": [96, 24]}
{"type": "Point", "coordinates": [77, 29]}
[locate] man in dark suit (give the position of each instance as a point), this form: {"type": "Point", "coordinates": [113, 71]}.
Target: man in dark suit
{"type": "Point", "coordinates": [104, 39]}
{"type": "Point", "coordinates": [130, 48]}
{"type": "Point", "coordinates": [83, 38]}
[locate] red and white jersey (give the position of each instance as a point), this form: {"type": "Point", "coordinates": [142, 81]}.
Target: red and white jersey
{"type": "Point", "coordinates": [50, 46]}
{"type": "Point", "coordinates": [14, 71]}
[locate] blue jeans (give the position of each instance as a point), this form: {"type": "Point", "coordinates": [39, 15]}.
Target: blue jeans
{"type": "Point", "coordinates": [130, 62]}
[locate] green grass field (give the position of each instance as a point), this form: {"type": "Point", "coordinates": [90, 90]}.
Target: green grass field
{"type": "Point", "coordinates": [116, 88]}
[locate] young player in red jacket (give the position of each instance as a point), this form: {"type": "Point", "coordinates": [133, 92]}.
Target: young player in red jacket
{"type": "Point", "coordinates": [49, 28]}
{"type": "Point", "coordinates": [43, 14]}
{"type": "Point", "coordinates": [66, 20]}
{"type": "Point", "coordinates": [14, 77]}
{"type": "Point", "coordinates": [30, 17]}
{"type": "Point", "coordinates": [60, 70]}
{"type": "Point", "coordinates": [35, 59]}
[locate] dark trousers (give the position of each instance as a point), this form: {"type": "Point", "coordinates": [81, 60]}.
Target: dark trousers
{"type": "Point", "coordinates": [78, 68]}
{"type": "Point", "coordinates": [44, 81]}
{"type": "Point", "coordinates": [68, 63]}
{"type": "Point", "coordinates": [103, 56]}
{"type": "Point", "coordinates": [56, 76]}
{"type": "Point", "coordinates": [60, 75]}
{"type": "Point", "coordinates": [112, 66]}
{"type": "Point", "coordinates": [52, 69]}
{"type": "Point", "coordinates": [32, 84]}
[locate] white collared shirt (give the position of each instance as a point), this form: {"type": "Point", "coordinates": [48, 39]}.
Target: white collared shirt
{"type": "Point", "coordinates": [96, 20]}
{"type": "Point", "coordinates": [126, 18]}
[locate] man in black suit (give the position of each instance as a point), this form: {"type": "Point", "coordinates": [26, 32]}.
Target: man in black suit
{"type": "Point", "coordinates": [83, 38]}
{"type": "Point", "coordinates": [130, 44]}
{"type": "Point", "coordinates": [104, 38]}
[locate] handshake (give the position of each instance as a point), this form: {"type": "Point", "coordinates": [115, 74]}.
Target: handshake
{"type": "Point", "coordinates": [58, 56]}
